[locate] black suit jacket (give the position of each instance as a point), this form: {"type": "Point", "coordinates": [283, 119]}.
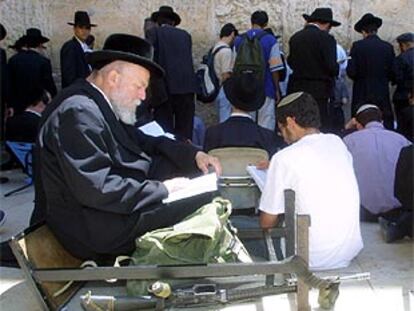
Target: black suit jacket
{"type": "Point", "coordinates": [403, 187]}
{"type": "Point", "coordinates": [312, 58]}
{"type": "Point", "coordinates": [92, 174]}
{"type": "Point", "coordinates": [22, 127]}
{"type": "Point", "coordinates": [240, 131]}
{"type": "Point", "coordinates": [28, 70]}
{"type": "Point", "coordinates": [173, 52]}
{"type": "Point", "coordinates": [73, 63]}
{"type": "Point", "coordinates": [370, 67]}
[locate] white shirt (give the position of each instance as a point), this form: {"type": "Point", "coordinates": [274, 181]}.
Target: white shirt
{"type": "Point", "coordinates": [84, 46]}
{"type": "Point", "coordinates": [319, 169]}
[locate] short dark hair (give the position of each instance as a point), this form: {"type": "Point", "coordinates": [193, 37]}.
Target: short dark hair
{"type": "Point", "coordinates": [370, 28]}
{"type": "Point", "coordinates": [369, 115]}
{"type": "Point", "coordinates": [227, 30]}
{"type": "Point", "coordinates": [259, 18]}
{"type": "Point", "coordinates": [303, 109]}
{"type": "Point", "coordinates": [3, 32]}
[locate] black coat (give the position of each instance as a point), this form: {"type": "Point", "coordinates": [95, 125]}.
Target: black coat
{"type": "Point", "coordinates": [73, 63]}
{"type": "Point", "coordinates": [241, 132]}
{"type": "Point", "coordinates": [312, 58]}
{"type": "Point", "coordinates": [370, 69]}
{"type": "Point", "coordinates": [403, 76]}
{"type": "Point", "coordinates": [28, 70]}
{"type": "Point", "coordinates": [22, 127]}
{"type": "Point", "coordinates": [173, 52]}
{"type": "Point", "coordinates": [403, 187]}
{"type": "Point", "coordinates": [93, 178]}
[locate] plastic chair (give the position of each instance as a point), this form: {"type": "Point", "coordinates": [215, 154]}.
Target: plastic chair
{"type": "Point", "coordinates": [24, 153]}
{"type": "Point", "coordinates": [235, 183]}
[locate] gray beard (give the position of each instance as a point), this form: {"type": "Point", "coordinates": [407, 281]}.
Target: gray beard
{"type": "Point", "coordinates": [124, 114]}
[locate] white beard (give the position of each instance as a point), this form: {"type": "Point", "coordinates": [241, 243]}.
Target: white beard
{"type": "Point", "coordinates": [126, 115]}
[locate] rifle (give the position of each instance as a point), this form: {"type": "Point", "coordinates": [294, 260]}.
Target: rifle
{"type": "Point", "coordinates": [205, 294]}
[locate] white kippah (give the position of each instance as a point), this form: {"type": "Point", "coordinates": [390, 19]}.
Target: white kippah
{"type": "Point", "coordinates": [289, 99]}
{"type": "Point", "coordinates": [365, 107]}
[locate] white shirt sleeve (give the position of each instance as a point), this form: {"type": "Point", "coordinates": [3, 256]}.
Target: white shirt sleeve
{"type": "Point", "coordinates": [279, 178]}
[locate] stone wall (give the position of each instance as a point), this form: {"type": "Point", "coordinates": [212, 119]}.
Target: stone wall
{"type": "Point", "coordinates": [202, 18]}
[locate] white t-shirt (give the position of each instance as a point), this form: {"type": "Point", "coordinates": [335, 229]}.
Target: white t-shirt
{"type": "Point", "coordinates": [223, 60]}
{"type": "Point", "coordinates": [319, 169]}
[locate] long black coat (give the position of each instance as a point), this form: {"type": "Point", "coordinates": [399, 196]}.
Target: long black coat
{"type": "Point", "coordinates": [239, 131]}
{"type": "Point", "coordinates": [28, 70]}
{"type": "Point", "coordinates": [370, 68]}
{"type": "Point", "coordinates": [173, 52]}
{"type": "Point", "coordinates": [73, 63]}
{"type": "Point", "coordinates": [312, 58]}
{"type": "Point", "coordinates": [93, 180]}
{"type": "Point", "coordinates": [403, 75]}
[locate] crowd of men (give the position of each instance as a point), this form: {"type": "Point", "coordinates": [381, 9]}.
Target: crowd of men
{"type": "Point", "coordinates": [100, 181]}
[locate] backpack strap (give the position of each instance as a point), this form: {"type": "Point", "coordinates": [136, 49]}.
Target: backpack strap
{"type": "Point", "coordinates": [220, 48]}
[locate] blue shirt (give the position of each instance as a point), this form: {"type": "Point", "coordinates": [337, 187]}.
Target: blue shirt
{"type": "Point", "coordinates": [375, 151]}
{"type": "Point", "coordinates": [271, 53]}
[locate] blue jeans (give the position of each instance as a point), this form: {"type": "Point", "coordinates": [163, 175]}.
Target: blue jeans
{"type": "Point", "coordinates": [223, 106]}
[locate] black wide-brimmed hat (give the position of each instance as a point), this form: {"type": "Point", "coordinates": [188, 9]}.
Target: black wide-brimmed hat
{"type": "Point", "coordinates": [367, 19]}
{"type": "Point", "coordinates": [126, 48]}
{"type": "Point", "coordinates": [324, 15]}
{"type": "Point", "coordinates": [34, 37]}
{"type": "Point", "coordinates": [82, 19]}
{"type": "Point", "coordinates": [18, 44]}
{"type": "Point", "coordinates": [166, 11]}
{"type": "Point", "coordinates": [245, 92]}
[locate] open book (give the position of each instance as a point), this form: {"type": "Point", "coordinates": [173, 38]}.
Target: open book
{"type": "Point", "coordinates": [259, 176]}
{"type": "Point", "coordinates": [198, 185]}
{"type": "Point", "coordinates": [155, 130]}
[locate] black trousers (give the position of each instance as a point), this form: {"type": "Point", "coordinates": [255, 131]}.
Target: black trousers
{"type": "Point", "coordinates": [176, 115]}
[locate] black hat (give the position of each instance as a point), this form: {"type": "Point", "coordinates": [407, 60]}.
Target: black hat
{"type": "Point", "coordinates": [245, 92]}
{"type": "Point", "coordinates": [21, 42]}
{"type": "Point", "coordinates": [3, 32]}
{"type": "Point", "coordinates": [406, 37]}
{"type": "Point", "coordinates": [127, 48]}
{"type": "Point", "coordinates": [367, 19]}
{"type": "Point", "coordinates": [34, 37]}
{"type": "Point", "coordinates": [166, 11]}
{"type": "Point", "coordinates": [324, 15]}
{"type": "Point", "coordinates": [82, 19]}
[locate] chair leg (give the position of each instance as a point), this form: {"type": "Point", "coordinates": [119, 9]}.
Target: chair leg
{"type": "Point", "coordinates": [17, 190]}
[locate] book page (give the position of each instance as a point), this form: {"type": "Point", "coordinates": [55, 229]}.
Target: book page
{"type": "Point", "coordinates": [155, 130]}
{"type": "Point", "coordinates": [198, 185]}
{"type": "Point", "coordinates": [259, 176]}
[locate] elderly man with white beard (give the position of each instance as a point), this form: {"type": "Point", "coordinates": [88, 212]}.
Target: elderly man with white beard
{"type": "Point", "coordinates": [100, 182]}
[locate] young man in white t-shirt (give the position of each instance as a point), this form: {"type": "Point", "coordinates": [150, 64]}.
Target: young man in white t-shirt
{"type": "Point", "coordinates": [318, 167]}
{"type": "Point", "coordinates": [223, 67]}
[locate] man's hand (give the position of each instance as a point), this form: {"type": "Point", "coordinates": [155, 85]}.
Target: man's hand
{"type": "Point", "coordinates": [175, 184]}
{"type": "Point", "coordinates": [203, 161]}
{"type": "Point", "coordinates": [352, 124]}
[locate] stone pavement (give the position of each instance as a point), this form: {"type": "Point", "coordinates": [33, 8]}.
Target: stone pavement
{"type": "Point", "coordinates": [391, 287]}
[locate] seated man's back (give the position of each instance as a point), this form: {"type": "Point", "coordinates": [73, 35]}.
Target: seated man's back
{"type": "Point", "coordinates": [375, 152]}
{"type": "Point", "coordinates": [240, 130]}
{"type": "Point", "coordinates": [318, 167]}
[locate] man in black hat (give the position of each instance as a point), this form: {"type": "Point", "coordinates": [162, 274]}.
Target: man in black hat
{"type": "Point", "coordinates": [240, 130]}
{"type": "Point", "coordinates": [312, 58]}
{"type": "Point", "coordinates": [100, 182]}
{"type": "Point", "coordinates": [370, 67]}
{"type": "Point", "coordinates": [403, 76]}
{"type": "Point", "coordinates": [173, 52]}
{"type": "Point", "coordinates": [73, 63]}
{"type": "Point", "coordinates": [29, 70]}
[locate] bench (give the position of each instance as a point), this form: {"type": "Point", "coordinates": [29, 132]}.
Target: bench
{"type": "Point", "coordinates": [47, 266]}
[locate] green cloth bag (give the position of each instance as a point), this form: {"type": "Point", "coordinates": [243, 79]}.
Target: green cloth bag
{"type": "Point", "coordinates": [206, 236]}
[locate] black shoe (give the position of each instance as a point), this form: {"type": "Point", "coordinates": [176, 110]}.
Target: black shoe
{"type": "Point", "coordinates": [4, 180]}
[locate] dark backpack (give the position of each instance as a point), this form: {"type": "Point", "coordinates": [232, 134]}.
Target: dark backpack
{"type": "Point", "coordinates": [208, 84]}
{"type": "Point", "coordinates": [250, 57]}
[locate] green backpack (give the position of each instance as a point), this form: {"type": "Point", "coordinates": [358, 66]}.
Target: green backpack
{"type": "Point", "coordinates": [250, 57]}
{"type": "Point", "coordinates": [206, 236]}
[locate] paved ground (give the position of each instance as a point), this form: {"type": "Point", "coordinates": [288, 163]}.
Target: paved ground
{"type": "Point", "coordinates": [391, 266]}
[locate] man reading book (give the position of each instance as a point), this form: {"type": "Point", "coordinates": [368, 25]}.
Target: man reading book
{"type": "Point", "coordinates": [100, 182]}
